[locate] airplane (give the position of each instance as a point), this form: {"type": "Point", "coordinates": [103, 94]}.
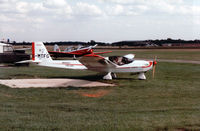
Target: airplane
{"type": "Point", "coordinates": [74, 52]}
{"type": "Point", "coordinates": [108, 65]}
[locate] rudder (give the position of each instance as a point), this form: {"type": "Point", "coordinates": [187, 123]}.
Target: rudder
{"type": "Point", "coordinates": [39, 52]}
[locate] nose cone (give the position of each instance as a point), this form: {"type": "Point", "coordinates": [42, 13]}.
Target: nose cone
{"type": "Point", "coordinates": [154, 62]}
{"type": "Point", "coordinates": [91, 51]}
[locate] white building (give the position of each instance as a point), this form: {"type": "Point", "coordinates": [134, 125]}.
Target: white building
{"type": "Point", "coordinates": [5, 48]}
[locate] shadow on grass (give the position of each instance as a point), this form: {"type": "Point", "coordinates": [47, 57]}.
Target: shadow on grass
{"type": "Point", "coordinates": [80, 88]}
{"type": "Point", "coordinates": [127, 78]}
{"type": "Point", "coordinates": [87, 77]}
{"type": "Point", "coordinates": [97, 77]}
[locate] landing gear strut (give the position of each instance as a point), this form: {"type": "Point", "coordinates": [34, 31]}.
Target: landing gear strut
{"type": "Point", "coordinates": [109, 76]}
{"type": "Point", "coordinates": [74, 57]}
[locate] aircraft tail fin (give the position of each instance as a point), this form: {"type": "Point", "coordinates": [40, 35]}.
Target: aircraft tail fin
{"type": "Point", "coordinates": [40, 53]}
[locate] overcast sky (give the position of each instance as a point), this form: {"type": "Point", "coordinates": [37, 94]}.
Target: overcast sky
{"type": "Point", "coordinates": [99, 20]}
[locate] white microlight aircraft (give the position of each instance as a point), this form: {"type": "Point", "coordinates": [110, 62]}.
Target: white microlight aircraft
{"type": "Point", "coordinates": [109, 65]}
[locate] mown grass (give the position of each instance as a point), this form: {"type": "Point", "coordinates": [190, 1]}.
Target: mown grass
{"type": "Point", "coordinates": [171, 101]}
{"type": "Point", "coordinates": [174, 54]}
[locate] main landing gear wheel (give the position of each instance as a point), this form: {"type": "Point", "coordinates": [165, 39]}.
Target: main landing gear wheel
{"type": "Point", "coordinates": [113, 75]}
{"type": "Point", "coordinates": [109, 76]}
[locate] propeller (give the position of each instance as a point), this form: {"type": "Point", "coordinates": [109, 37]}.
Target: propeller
{"type": "Point", "coordinates": [154, 66]}
{"type": "Point", "coordinates": [94, 45]}
{"type": "Point", "coordinates": [91, 47]}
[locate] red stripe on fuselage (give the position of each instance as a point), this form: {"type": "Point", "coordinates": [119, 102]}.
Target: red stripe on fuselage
{"type": "Point", "coordinates": [33, 51]}
{"type": "Point", "coordinates": [150, 64]}
{"type": "Point", "coordinates": [69, 64]}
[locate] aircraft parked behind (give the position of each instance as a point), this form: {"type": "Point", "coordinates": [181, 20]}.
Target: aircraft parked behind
{"type": "Point", "coordinates": [74, 52]}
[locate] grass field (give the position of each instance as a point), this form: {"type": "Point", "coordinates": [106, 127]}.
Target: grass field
{"type": "Point", "coordinates": [171, 101]}
{"type": "Point", "coordinates": [173, 54]}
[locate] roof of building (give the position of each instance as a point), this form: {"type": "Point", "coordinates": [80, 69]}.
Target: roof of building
{"type": "Point", "coordinates": [3, 44]}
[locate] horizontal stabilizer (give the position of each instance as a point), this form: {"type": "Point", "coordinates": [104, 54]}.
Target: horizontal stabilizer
{"type": "Point", "coordinates": [27, 61]}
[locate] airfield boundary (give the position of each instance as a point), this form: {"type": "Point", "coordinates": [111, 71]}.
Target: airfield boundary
{"type": "Point", "coordinates": [116, 47]}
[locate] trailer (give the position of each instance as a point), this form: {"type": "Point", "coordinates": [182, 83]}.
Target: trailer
{"type": "Point", "coordinates": [11, 56]}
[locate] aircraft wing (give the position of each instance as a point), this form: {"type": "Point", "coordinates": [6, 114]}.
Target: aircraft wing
{"type": "Point", "coordinates": [59, 52]}
{"type": "Point", "coordinates": [69, 54]}
{"type": "Point", "coordinates": [97, 63]}
{"type": "Point", "coordinates": [62, 54]}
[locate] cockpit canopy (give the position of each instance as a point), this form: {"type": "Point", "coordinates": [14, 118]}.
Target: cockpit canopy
{"type": "Point", "coordinates": [120, 60]}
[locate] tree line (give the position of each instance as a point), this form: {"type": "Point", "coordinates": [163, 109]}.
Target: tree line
{"type": "Point", "coordinates": [119, 43]}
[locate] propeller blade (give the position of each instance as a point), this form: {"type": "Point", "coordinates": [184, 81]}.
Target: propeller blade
{"type": "Point", "coordinates": [154, 66]}
{"type": "Point", "coordinates": [89, 48]}
{"type": "Point", "coordinates": [153, 73]}
{"type": "Point", "coordinates": [94, 45]}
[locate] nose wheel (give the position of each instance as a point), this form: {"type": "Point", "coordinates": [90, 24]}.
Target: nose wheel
{"type": "Point", "coordinates": [141, 76]}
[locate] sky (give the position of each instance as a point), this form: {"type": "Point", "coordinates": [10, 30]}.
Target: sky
{"type": "Point", "coordinates": [99, 20]}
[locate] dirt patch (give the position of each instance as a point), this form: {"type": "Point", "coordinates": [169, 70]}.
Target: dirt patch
{"type": "Point", "coordinates": [96, 94]}
{"type": "Point", "coordinates": [53, 83]}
